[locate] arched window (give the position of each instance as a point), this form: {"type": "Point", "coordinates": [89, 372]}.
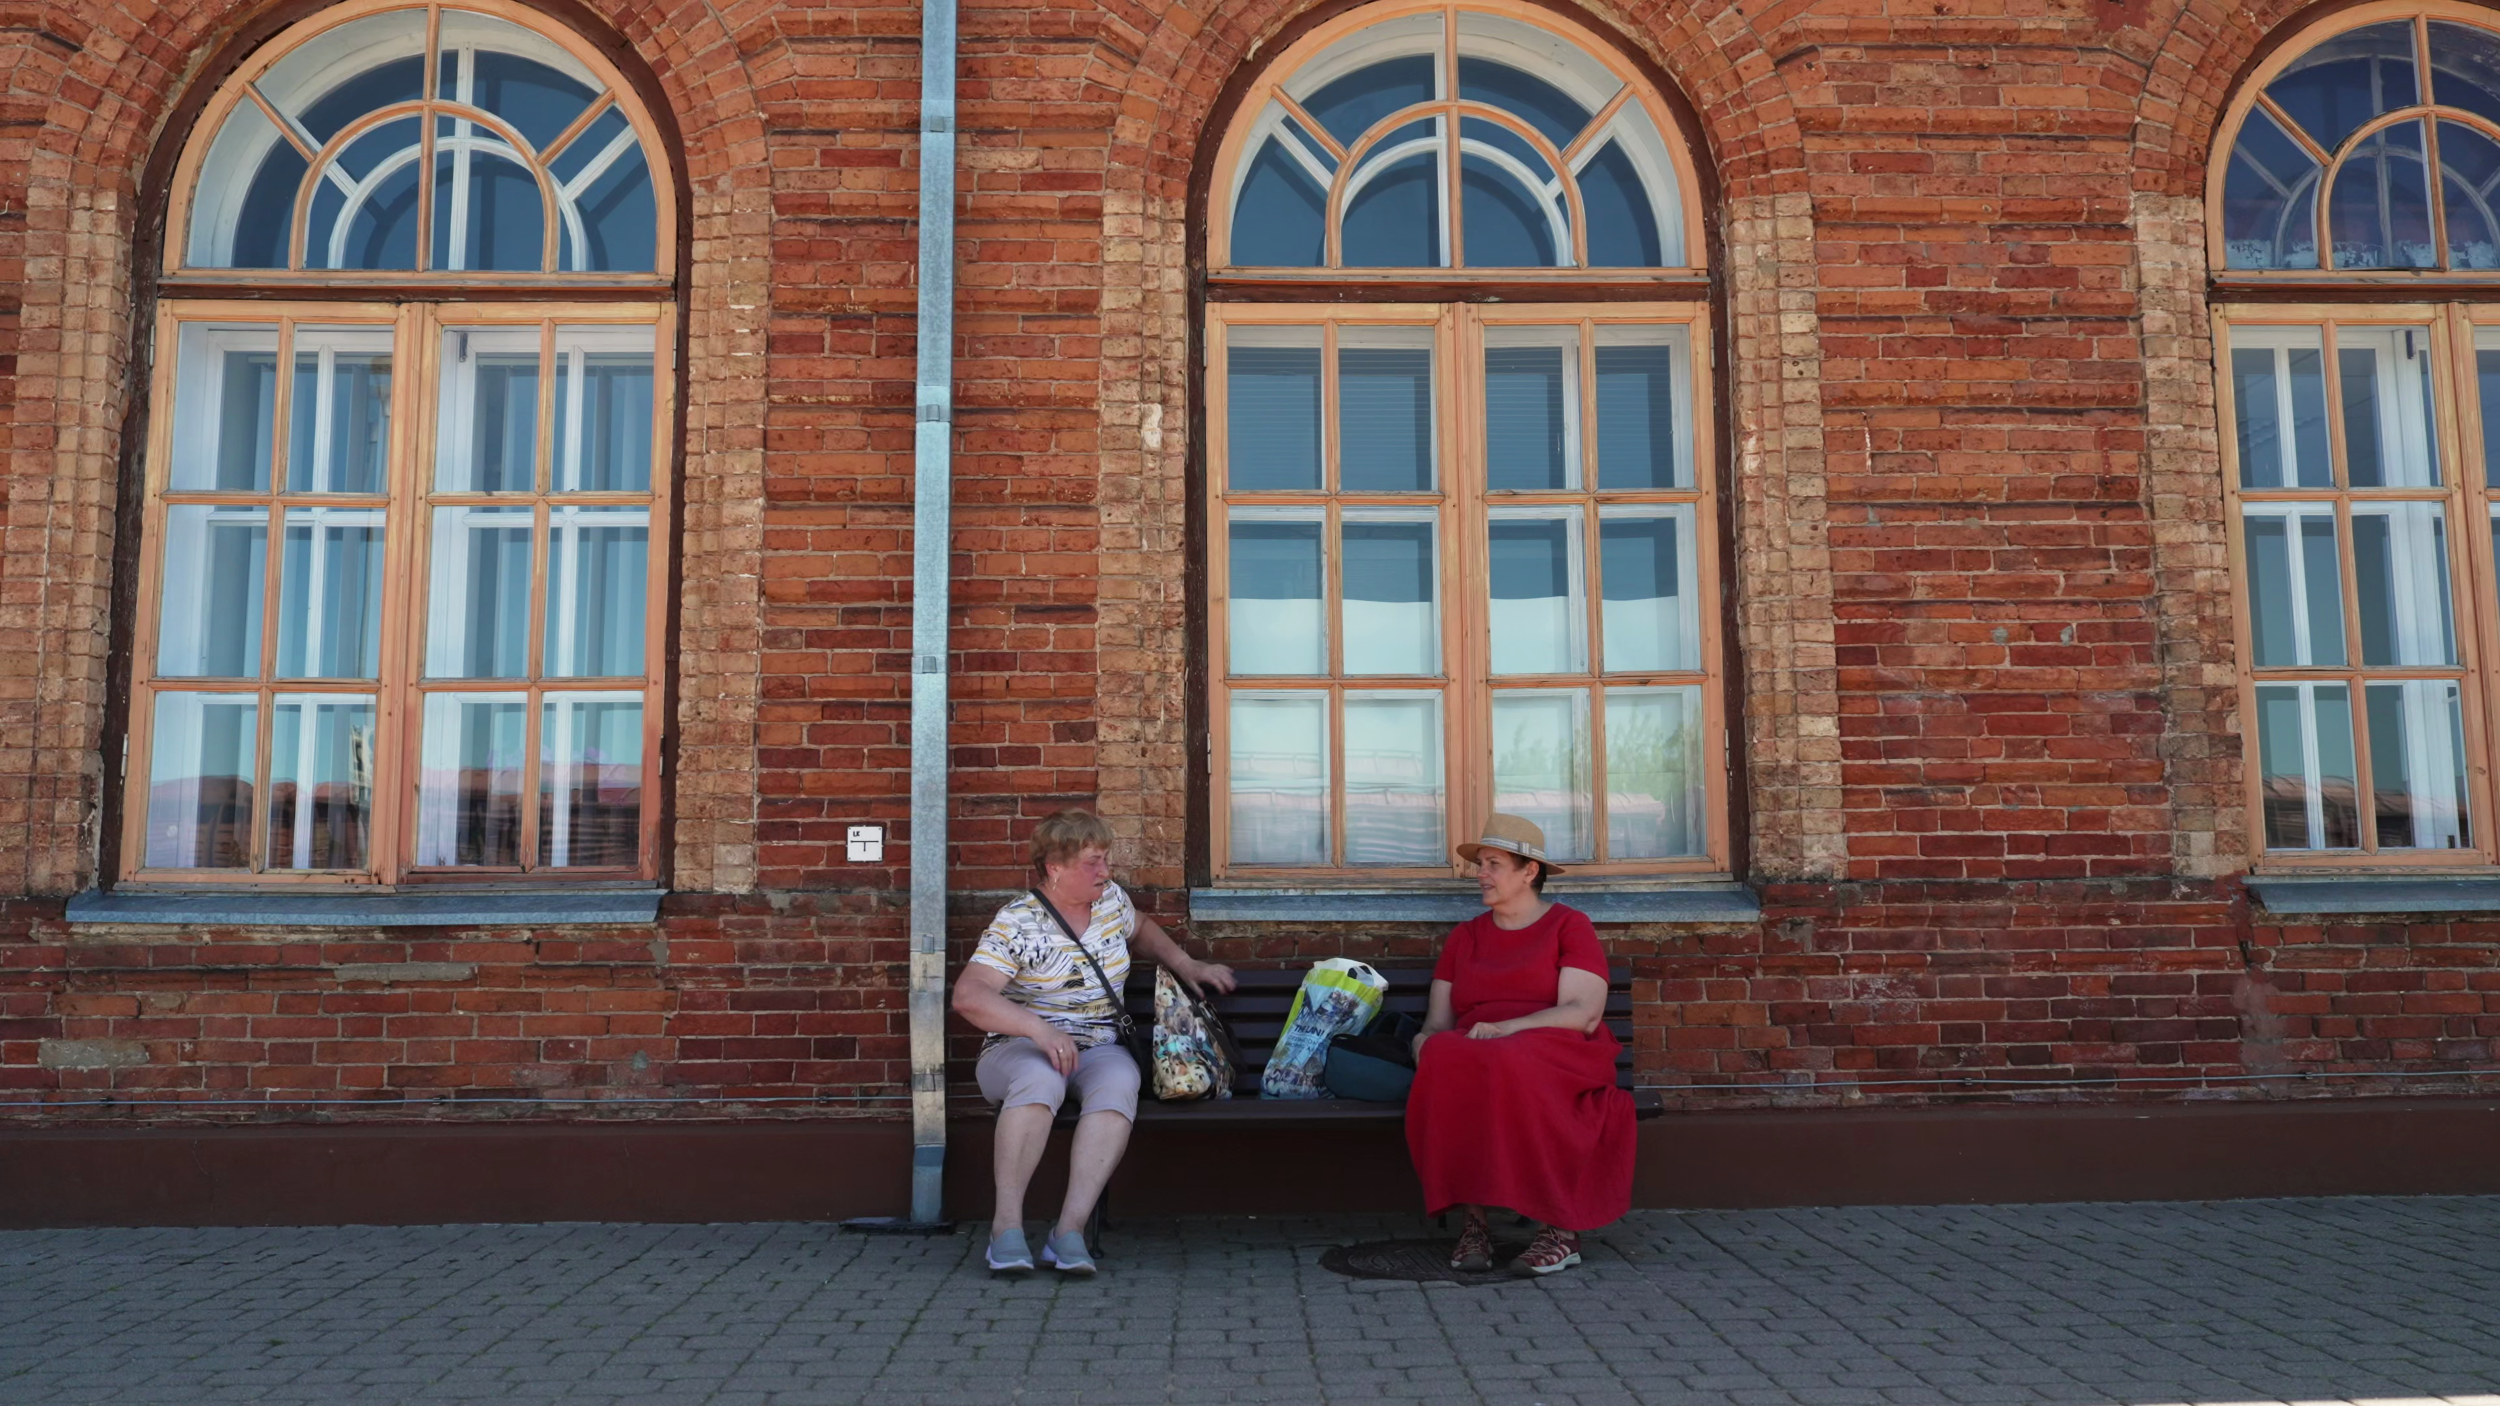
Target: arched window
{"type": "Point", "coordinates": [400, 601]}
{"type": "Point", "coordinates": [2360, 457]}
{"type": "Point", "coordinates": [1464, 551]}
{"type": "Point", "coordinates": [1559, 161]}
{"type": "Point", "coordinates": [2331, 165]}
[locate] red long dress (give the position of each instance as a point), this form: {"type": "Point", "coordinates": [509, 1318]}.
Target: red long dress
{"type": "Point", "coordinates": [1533, 1121]}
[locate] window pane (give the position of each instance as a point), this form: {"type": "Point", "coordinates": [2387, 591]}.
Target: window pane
{"type": "Point", "coordinates": [2465, 68]}
{"type": "Point", "coordinates": [590, 790]}
{"type": "Point", "coordinates": [349, 71]}
{"type": "Point", "coordinates": [237, 217]}
{"type": "Point", "coordinates": [200, 773]}
{"type": "Point", "coordinates": [364, 210]}
{"type": "Point", "coordinates": [2389, 437]}
{"type": "Point", "coordinates": [2295, 590]}
{"type": "Point", "coordinates": [1391, 626]}
{"type": "Point", "coordinates": [2487, 377]}
{"type": "Point", "coordinates": [1623, 219]}
{"type": "Point", "coordinates": [216, 560]}
{"type": "Point", "coordinates": [539, 101]}
{"type": "Point", "coordinates": [1276, 615]}
{"type": "Point", "coordinates": [469, 779]}
{"type": "Point", "coordinates": [1541, 764]}
{"type": "Point", "coordinates": [2469, 165]}
{"type": "Point", "coordinates": [487, 439]}
{"type": "Point", "coordinates": [488, 213]}
{"type": "Point", "coordinates": [1279, 769]}
{"type": "Point", "coordinates": [1393, 210]}
{"type": "Point", "coordinates": [1393, 792]}
{"type": "Point", "coordinates": [1547, 108]}
{"type": "Point", "coordinates": [339, 431]}
{"type": "Point", "coordinates": [1272, 409]}
{"type": "Point", "coordinates": [1507, 224]}
{"type": "Point", "coordinates": [1350, 105]}
{"type": "Point", "coordinates": [320, 782]}
{"type": "Point", "coordinates": [2336, 87]}
{"type": "Point", "coordinates": [2495, 534]}
{"type": "Point", "coordinates": [1531, 400]}
{"type": "Point", "coordinates": [603, 410]}
{"type": "Point", "coordinates": [330, 594]}
{"type": "Point", "coordinates": [619, 216]}
{"type": "Point", "coordinates": [1539, 615]}
{"type": "Point", "coordinates": [1384, 411]}
{"type": "Point", "coordinates": [2269, 199]}
{"type": "Point", "coordinates": [1643, 435]}
{"type": "Point", "coordinates": [2417, 764]}
{"type": "Point", "coordinates": [2379, 213]}
{"type": "Point", "coordinates": [2400, 566]}
{"type": "Point", "coordinates": [477, 610]}
{"type": "Point", "coordinates": [2304, 743]}
{"type": "Point", "coordinates": [1652, 602]}
{"type": "Point", "coordinates": [225, 408]}
{"type": "Point", "coordinates": [2278, 392]}
{"type": "Point", "coordinates": [598, 580]}
{"type": "Point", "coordinates": [1655, 806]}
{"type": "Point", "coordinates": [1279, 218]}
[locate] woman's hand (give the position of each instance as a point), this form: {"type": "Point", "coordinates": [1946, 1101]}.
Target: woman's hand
{"type": "Point", "coordinates": [1416, 1046]}
{"type": "Point", "coordinates": [1061, 1050]}
{"type": "Point", "coordinates": [1491, 1030]}
{"type": "Point", "coordinates": [1198, 976]}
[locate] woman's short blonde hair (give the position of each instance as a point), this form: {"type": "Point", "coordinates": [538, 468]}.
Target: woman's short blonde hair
{"type": "Point", "coordinates": [1067, 834]}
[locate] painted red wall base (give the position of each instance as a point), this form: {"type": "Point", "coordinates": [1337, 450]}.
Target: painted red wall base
{"type": "Point", "coordinates": [832, 1170]}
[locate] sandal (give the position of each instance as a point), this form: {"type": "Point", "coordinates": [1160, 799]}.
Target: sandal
{"type": "Point", "coordinates": [1474, 1254]}
{"type": "Point", "coordinates": [1551, 1252]}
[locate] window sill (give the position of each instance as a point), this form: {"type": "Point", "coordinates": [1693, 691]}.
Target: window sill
{"type": "Point", "coordinates": [2375, 895]}
{"type": "Point", "coordinates": [233, 908]}
{"type": "Point", "coordinates": [1717, 902]}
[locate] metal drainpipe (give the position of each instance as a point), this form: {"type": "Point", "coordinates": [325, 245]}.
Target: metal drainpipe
{"type": "Point", "coordinates": [932, 522]}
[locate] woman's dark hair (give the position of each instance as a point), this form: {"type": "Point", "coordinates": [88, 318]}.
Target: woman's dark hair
{"type": "Point", "coordinates": [1538, 883]}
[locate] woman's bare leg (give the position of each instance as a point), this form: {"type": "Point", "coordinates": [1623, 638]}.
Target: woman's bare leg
{"type": "Point", "coordinates": [1023, 1131]}
{"type": "Point", "coordinates": [1100, 1139]}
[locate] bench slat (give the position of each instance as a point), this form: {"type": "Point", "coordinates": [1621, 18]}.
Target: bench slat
{"type": "Point", "coordinates": [1255, 1012]}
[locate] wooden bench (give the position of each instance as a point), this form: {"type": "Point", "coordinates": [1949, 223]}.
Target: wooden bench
{"type": "Point", "coordinates": [1256, 1013]}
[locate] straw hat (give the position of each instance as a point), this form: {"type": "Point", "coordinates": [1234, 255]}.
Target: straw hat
{"type": "Point", "coordinates": [1511, 835]}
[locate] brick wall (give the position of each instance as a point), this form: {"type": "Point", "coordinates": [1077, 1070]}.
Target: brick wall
{"type": "Point", "coordinates": [1988, 736]}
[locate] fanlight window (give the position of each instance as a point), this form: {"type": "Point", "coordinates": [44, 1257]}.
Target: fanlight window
{"type": "Point", "coordinates": [1454, 138]}
{"type": "Point", "coordinates": [426, 139]}
{"type": "Point", "coordinates": [2332, 166]}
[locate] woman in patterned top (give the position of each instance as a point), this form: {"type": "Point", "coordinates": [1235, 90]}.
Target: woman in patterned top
{"type": "Point", "coordinates": [1052, 1025]}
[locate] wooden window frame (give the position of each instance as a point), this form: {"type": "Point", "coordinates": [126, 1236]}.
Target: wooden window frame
{"type": "Point", "coordinates": [409, 502]}
{"type": "Point", "coordinates": [2469, 502]}
{"type": "Point", "coordinates": [238, 89]}
{"type": "Point", "coordinates": [1270, 86]}
{"type": "Point", "coordinates": [2251, 97]}
{"type": "Point", "coordinates": [415, 307]}
{"type": "Point", "coordinates": [2453, 305]}
{"type": "Point", "coordinates": [1460, 503]}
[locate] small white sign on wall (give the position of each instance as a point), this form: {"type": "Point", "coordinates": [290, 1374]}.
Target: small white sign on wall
{"type": "Point", "coordinates": [867, 843]}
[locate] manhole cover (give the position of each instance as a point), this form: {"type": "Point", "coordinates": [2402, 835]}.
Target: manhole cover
{"type": "Point", "coordinates": [1417, 1262]}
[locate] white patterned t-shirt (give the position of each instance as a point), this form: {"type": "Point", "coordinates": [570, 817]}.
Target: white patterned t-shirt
{"type": "Point", "coordinates": [1044, 973]}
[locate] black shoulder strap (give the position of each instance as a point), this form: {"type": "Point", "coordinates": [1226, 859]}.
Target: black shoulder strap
{"type": "Point", "coordinates": [1119, 1008]}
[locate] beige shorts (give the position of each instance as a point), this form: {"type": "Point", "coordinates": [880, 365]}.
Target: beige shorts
{"type": "Point", "coordinates": [1014, 1072]}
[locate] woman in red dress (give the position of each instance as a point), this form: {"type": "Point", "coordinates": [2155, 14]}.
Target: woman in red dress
{"type": "Point", "coordinates": [1514, 1103]}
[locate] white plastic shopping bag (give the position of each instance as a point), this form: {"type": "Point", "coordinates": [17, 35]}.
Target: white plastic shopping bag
{"type": "Point", "coordinates": [1338, 995]}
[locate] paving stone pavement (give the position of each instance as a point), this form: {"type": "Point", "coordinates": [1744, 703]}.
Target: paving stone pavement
{"type": "Point", "coordinates": [2379, 1300]}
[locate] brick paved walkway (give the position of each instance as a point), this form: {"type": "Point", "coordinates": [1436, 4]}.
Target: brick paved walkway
{"type": "Point", "coordinates": [2249, 1301]}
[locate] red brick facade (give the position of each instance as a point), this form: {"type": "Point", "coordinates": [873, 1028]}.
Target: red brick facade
{"type": "Point", "coordinates": [1989, 740]}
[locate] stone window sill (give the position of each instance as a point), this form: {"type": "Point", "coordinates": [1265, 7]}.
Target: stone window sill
{"type": "Point", "coordinates": [248, 908]}
{"type": "Point", "coordinates": [1716, 903]}
{"type": "Point", "coordinates": [2375, 895]}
